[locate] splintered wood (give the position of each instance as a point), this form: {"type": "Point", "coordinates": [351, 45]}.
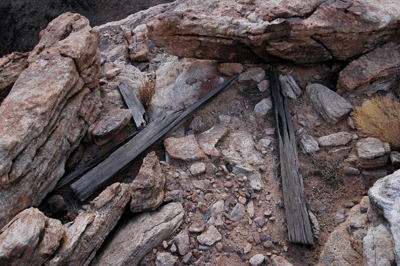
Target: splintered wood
{"type": "Point", "coordinates": [298, 221]}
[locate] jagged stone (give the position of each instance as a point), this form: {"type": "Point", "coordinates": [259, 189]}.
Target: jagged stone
{"type": "Point", "coordinates": [230, 69]}
{"type": "Point", "coordinates": [208, 139]}
{"type": "Point", "coordinates": [11, 67]}
{"type": "Point", "coordinates": [308, 144]}
{"type": "Point", "coordinates": [335, 139]}
{"type": "Point", "coordinates": [372, 153]}
{"type": "Point", "coordinates": [136, 45]}
{"type": "Point", "coordinates": [238, 212]}
{"type": "Point", "coordinates": [253, 75]}
{"type": "Point", "coordinates": [263, 106]}
{"type": "Point", "coordinates": [210, 236]}
{"type": "Point", "coordinates": [185, 148]}
{"type": "Point", "coordinates": [139, 235]}
{"type": "Point", "coordinates": [166, 259]}
{"type": "Point", "coordinates": [148, 186]}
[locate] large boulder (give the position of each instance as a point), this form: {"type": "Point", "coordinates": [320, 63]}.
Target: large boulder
{"type": "Point", "coordinates": [304, 32]}
{"type": "Point", "coordinates": [47, 113]}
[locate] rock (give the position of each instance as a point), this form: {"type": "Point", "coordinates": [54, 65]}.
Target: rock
{"type": "Point", "coordinates": [197, 169]}
{"type": "Point", "coordinates": [87, 233]}
{"type": "Point", "coordinates": [148, 186]}
{"type": "Point", "coordinates": [263, 86]}
{"type": "Point", "coordinates": [208, 139]}
{"type": "Point", "coordinates": [376, 70]}
{"type": "Point", "coordinates": [224, 119]}
{"type": "Point", "coordinates": [250, 209]}
{"type": "Point", "coordinates": [372, 153]}
{"type": "Point", "coordinates": [330, 105]}
{"type": "Point", "coordinates": [230, 69]}
{"type": "Point", "coordinates": [210, 236]}
{"type": "Point", "coordinates": [378, 247]}
{"type": "Point", "coordinates": [202, 184]}
{"type": "Point", "coordinates": [30, 238]}
{"type": "Point", "coordinates": [166, 259]}
{"type": "Point", "coordinates": [256, 260]}
{"type": "Point", "coordinates": [35, 147]}
{"type": "Point", "coordinates": [186, 148]}
{"type": "Point", "coordinates": [385, 195]}
{"type": "Point", "coordinates": [197, 227]}
{"type": "Point", "coordinates": [238, 212]}
{"type": "Point", "coordinates": [263, 106]}
{"type": "Point", "coordinates": [308, 144]}
{"type": "Point", "coordinates": [289, 86]}
{"type": "Point", "coordinates": [336, 139]}
{"type": "Point", "coordinates": [112, 73]}
{"type": "Point", "coordinates": [108, 126]}
{"type": "Point", "coordinates": [136, 47]}
{"type": "Point", "coordinates": [11, 67]}
{"type": "Point", "coordinates": [395, 158]}
{"type": "Point", "coordinates": [280, 261]}
{"type": "Point", "coordinates": [139, 235]}
{"type": "Point", "coordinates": [260, 221]}
{"type": "Point", "coordinates": [252, 75]}
{"type": "Point", "coordinates": [182, 242]}
{"type": "Point", "coordinates": [263, 144]}
{"type": "Point", "coordinates": [351, 171]}
{"type": "Point", "coordinates": [217, 208]}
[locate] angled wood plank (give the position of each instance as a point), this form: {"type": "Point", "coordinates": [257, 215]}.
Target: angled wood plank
{"type": "Point", "coordinates": [93, 180]}
{"type": "Point", "coordinates": [298, 221]}
{"type": "Point", "coordinates": [133, 103]}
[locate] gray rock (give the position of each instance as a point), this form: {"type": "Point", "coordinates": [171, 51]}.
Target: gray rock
{"type": "Point", "coordinates": [202, 184]}
{"type": "Point", "coordinates": [385, 194]}
{"type": "Point", "coordinates": [166, 259]}
{"type": "Point", "coordinates": [289, 86]}
{"type": "Point", "coordinates": [208, 139]}
{"type": "Point", "coordinates": [330, 105]}
{"type": "Point", "coordinates": [336, 139]}
{"type": "Point", "coordinates": [250, 209]}
{"type": "Point", "coordinates": [280, 261]}
{"type": "Point", "coordinates": [308, 144]}
{"type": "Point", "coordinates": [224, 119]}
{"type": "Point", "coordinates": [378, 247]}
{"type": "Point", "coordinates": [264, 106]}
{"type": "Point", "coordinates": [238, 212]}
{"type": "Point", "coordinates": [182, 242]}
{"type": "Point", "coordinates": [263, 86]}
{"type": "Point", "coordinates": [197, 227]}
{"type": "Point", "coordinates": [210, 236]}
{"type": "Point", "coordinates": [217, 208]}
{"type": "Point", "coordinates": [256, 260]}
{"type": "Point", "coordinates": [253, 75]}
{"type": "Point", "coordinates": [395, 158]}
{"type": "Point", "coordinates": [139, 235]}
{"type": "Point", "coordinates": [197, 169]}
{"type": "Point", "coordinates": [370, 148]}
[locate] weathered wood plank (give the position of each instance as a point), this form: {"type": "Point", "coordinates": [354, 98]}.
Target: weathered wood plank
{"type": "Point", "coordinates": [133, 103]}
{"type": "Point", "coordinates": [93, 180]}
{"type": "Point", "coordinates": [298, 221]}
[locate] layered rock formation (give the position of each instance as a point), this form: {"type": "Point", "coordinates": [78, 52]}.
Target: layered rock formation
{"type": "Point", "coordinates": [47, 112]}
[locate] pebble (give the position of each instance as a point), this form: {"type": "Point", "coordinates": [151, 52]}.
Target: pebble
{"type": "Point", "coordinates": [173, 248]}
{"type": "Point", "coordinates": [263, 86]}
{"type": "Point", "coordinates": [242, 200]}
{"type": "Point", "coordinates": [187, 257]}
{"type": "Point", "coordinates": [395, 158]}
{"type": "Point", "coordinates": [268, 244]}
{"type": "Point", "coordinates": [165, 259]}
{"type": "Point", "coordinates": [210, 236]}
{"type": "Point", "coordinates": [165, 244]}
{"type": "Point", "coordinates": [351, 171]}
{"type": "Point", "coordinates": [237, 212]}
{"type": "Point", "coordinates": [197, 169]}
{"type": "Point", "coordinates": [260, 221]}
{"type": "Point", "coordinates": [268, 213]}
{"type": "Point", "coordinates": [308, 144]}
{"type": "Point", "coordinates": [247, 248]}
{"type": "Point", "coordinates": [256, 260]}
{"type": "Point", "coordinates": [219, 246]}
{"type": "Point", "coordinates": [334, 140]}
{"type": "Point", "coordinates": [197, 227]}
{"type": "Point", "coordinates": [256, 238]}
{"type": "Point", "coordinates": [250, 209]}
{"type": "Point", "coordinates": [263, 106]}
{"type": "Point", "coordinates": [217, 208]}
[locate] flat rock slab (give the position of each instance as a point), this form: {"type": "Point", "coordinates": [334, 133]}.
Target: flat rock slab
{"type": "Point", "coordinates": [336, 139]}
{"type": "Point", "coordinates": [330, 105]}
{"type": "Point", "coordinates": [385, 194]}
{"type": "Point", "coordinates": [186, 148]}
{"type": "Point", "coordinates": [372, 153]}
{"type": "Point", "coordinates": [208, 139]}
{"type": "Point", "coordinates": [210, 236]}
{"type": "Point", "coordinates": [139, 235]}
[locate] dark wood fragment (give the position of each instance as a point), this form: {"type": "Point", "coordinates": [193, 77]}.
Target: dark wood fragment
{"type": "Point", "coordinates": [133, 103]}
{"type": "Point", "coordinates": [154, 132]}
{"type": "Point", "coordinates": [298, 221]}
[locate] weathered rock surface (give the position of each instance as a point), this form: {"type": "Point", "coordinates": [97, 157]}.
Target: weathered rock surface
{"type": "Point", "coordinates": [46, 113]}
{"type": "Point", "coordinates": [376, 70]}
{"type": "Point", "coordinates": [185, 148]}
{"type": "Point", "coordinates": [303, 32]}
{"type": "Point", "coordinates": [136, 45]}
{"type": "Point", "coordinates": [378, 247]}
{"type": "Point", "coordinates": [372, 153]}
{"type": "Point", "coordinates": [148, 186]}
{"type": "Point", "coordinates": [308, 144]}
{"type": "Point", "coordinates": [139, 235]}
{"type": "Point", "coordinates": [208, 139]}
{"type": "Point", "coordinates": [86, 234]}
{"type": "Point", "coordinates": [330, 105]}
{"type": "Point", "coordinates": [210, 236]}
{"type": "Point", "coordinates": [263, 106]}
{"type": "Point", "coordinates": [385, 194]}
{"type": "Point", "coordinates": [335, 139]}
{"type": "Point", "coordinates": [30, 238]}
{"type": "Point", "coordinates": [11, 67]}
{"type": "Point", "coordinates": [166, 259]}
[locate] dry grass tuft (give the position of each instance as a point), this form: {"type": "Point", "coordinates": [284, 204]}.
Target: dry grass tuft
{"type": "Point", "coordinates": [381, 118]}
{"type": "Point", "coordinates": [146, 93]}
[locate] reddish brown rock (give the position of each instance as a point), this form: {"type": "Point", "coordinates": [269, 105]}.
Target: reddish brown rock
{"type": "Point", "coordinates": [208, 139]}
{"type": "Point", "coordinates": [11, 67]}
{"type": "Point", "coordinates": [136, 47]}
{"type": "Point", "coordinates": [185, 148]}
{"type": "Point", "coordinates": [230, 69]}
{"type": "Point", "coordinates": [148, 186]}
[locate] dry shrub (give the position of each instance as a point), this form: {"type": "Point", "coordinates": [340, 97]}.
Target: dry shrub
{"type": "Point", "coordinates": [381, 118]}
{"type": "Point", "coordinates": [146, 93]}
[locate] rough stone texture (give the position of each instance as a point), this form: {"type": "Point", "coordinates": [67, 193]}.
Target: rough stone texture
{"type": "Point", "coordinates": [139, 235]}
{"type": "Point", "coordinates": [46, 113]}
{"type": "Point", "coordinates": [253, 75]}
{"type": "Point", "coordinates": [344, 245]}
{"type": "Point", "coordinates": [87, 233]}
{"type": "Point", "coordinates": [280, 261]}
{"type": "Point", "coordinates": [308, 144]}
{"type": "Point", "coordinates": [30, 238]}
{"type": "Point", "coordinates": [197, 169]}
{"type": "Point", "coordinates": [107, 127]}
{"type": "Point", "coordinates": [166, 259]}
{"type": "Point", "coordinates": [210, 236]}
{"type": "Point", "coordinates": [303, 32]}
{"type": "Point", "coordinates": [336, 139]}
{"type": "Point", "coordinates": [372, 153]}
{"type": "Point", "coordinates": [385, 194]}
{"type": "Point", "coordinates": [208, 139]}
{"type": "Point", "coordinates": [330, 105]}
{"type": "Point", "coordinates": [136, 45]}
{"type": "Point", "coordinates": [230, 69]}
{"type": "Point", "coordinates": [263, 106]}
{"type": "Point", "coordinates": [238, 212]}
{"type": "Point", "coordinates": [256, 260]}
{"type": "Point", "coordinates": [395, 158]}
{"type": "Point", "coordinates": [182, 242]}
{"type": "Point", "coordinates": [289, 86]}
{"type": "Point", "coordinates": [148, 186]}
{"type": "Point", "coordinates": [376, 70]}
{"type": "Point", "coordinates": [378, 247]}
{"type": "Point", "coordinates": [11, 67]}
{"type": "Point", "coordinates": [185, 148]}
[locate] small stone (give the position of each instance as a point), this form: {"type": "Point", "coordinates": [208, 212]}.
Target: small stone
{"type": "Point", "coordinates": [264, 236]}
{"type": "Point", "coordinates": [182, 242]}
{"type": "Point", "coordinates": [268, 244]}
{"type": "Point", "coordinates": [256, 260]}
{"type": "Point", "coordinates": [247, 248]}
{"type": "Point", "coordinates": [112, 73]}
{"type": "Point", "coordinates": [260, 221]}
{"type": "Point", "coordinates": [370, 148]}
{"type": "Point", "coordinates": [197, 227]}
{"type": "Point", "coordinates": [308, 144]}
{"type": "Point", "coordinates": [165, 244]}
{"type": "Point", "coordinates": [202, 208]}
{"type": "Point", "coordinates": [269, 130]}
{"type": "Point", "coordinates": [217, 208]}
{"type": "Point", "coordinates": [336, 139]}
{"type": "Point", "coordinates": [351, 171]}
{"type": "Point", "coordinates": [252, 75]}
{"type": "Point", "coordinates": [185, 148]}
{"type": "Point", "coordinates": [268, 213]}
{"type": "Point", "coordinates": [263, 106]}
{"type": "Point", "coordinates": [257, 238]}
{"type": "Point", "coordinates": [250, 209]}
{"type": "Point", "coordinates": [263, 86]}
{"type": "Point", "coordinates": [350, 123]}
{"type": "Point", "coordinates": [208, 139]}
{"type": "Point", "coordinates": [230, 69]}
{"type": "Point", "coordinates": [187, 257]}
{"type": "Point", "coordinates": [210, 236]}
{"type": "Point", "coordinates": [238, 212]}
{"type": "Point", "coordinates": [272, 219]}
{"type": "Point", "coordinates": [197, 169]}
{"type": "Point", "coordinates": [219, 246]}
{"type": "Point", "coordinates": [173, 248]}
{"type": "Point", "coordinates": [166, 259]}
{"type": "Point", "coordinates": [242, 200]}
{"type": "Point", "coordinates": [224, 119]}
{"type": "Point", "coordinates": [395, 158]}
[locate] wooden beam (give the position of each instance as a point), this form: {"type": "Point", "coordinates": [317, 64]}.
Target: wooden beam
{"type": "Point", "coordinates": [93, 180]}
{"type": "Point", "coordinates": [297, 219]}
{"type": "Point", "coordinates": [133, 103]}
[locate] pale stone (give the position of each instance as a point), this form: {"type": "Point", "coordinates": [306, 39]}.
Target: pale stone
{"type": "Point", "coordinates": [210, 236]}
{"type": "Point", "coordinates": [185, 148]}
{"type": "Point", "coordinates": [335, 139]}
{"type": "Point", "coordinates": [263, 106]}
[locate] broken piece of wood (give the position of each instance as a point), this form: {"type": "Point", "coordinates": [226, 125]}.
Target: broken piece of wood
{"type": "Point", "coordinates": [94, 179]}
{"type": "Point", "coordinates": [133, 103]}
{"type": "Point", "coordinates": [297, 219]}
